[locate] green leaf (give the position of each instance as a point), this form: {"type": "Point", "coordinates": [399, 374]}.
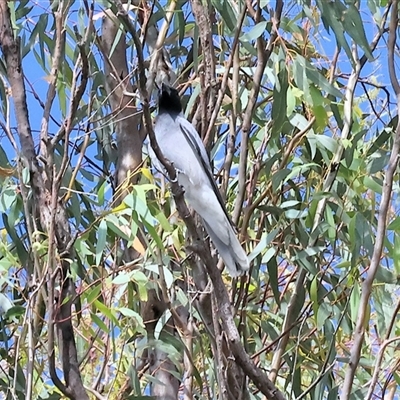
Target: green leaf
{"type": "Point", "coordinates": [127, 312]}
{"type": "Point", "coordinates": [99, 323]}
{"type": "Point", "coordinates": [373, 184]}
{"type": "Point", "coordinates": [354, 302]}
{"type": "Point", "coordinates": [272, 267]}
{"type": "Point", "coordinates": [324, 313]}
{"type": "Point", "coordinates": [113, 223]}
{"type": "Point", "coordinates": [317, 78]}
{"type": "Point", "coordinates": [153, 233]}
{"type": "Point", "coordinates": [255, 32]}
{"type": "Point", "coordinates": [384, 275]}
{"type": "Point", "coordinates": [8, 197]}
{"type": "Point", "coordinates": [354, 26]}
{"type": "Point", "coordinates": [378, 142]}
{"type": "Point", "coordinates": [15, 312]}
{"type": "Point", "coordinates": [266, 239]}
{"type": "Point", "coordinates": [331, 17]}
{"type": "Point", "coordinates": [279, 177]}
{"type": "Point", "coordinates": [6, 305]}
{"type": "Point", "coordinates": [396, 252]}
{"type": "Point", "coordinates": [314, 296]}
{"type": "Point", "coordinates": [106, 311]}
{"type": "Point", "coordinates": [279, 105]}
{"type": "Point", "coordinates": [100, 193]}
{"type": "Point", "coordinates": [296, 214]}
{"type": "Point", "coordinates": [164, 222]}
{"type": "Point", "coordinates": [323, 142]}
{"type": "Point", "coordinates": [141, 279]}
{"type": "Point", "coordinates": [122, 278]}
{"type": "Point", "coordinates": [227, 13]}
{"type": "Point", "coordinates": [101, 241]}
{"type": "Point", "coordinates": [92, 293]}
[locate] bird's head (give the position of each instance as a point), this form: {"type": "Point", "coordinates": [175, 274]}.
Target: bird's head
{"type": "Point", "coordinates": [169, 100]}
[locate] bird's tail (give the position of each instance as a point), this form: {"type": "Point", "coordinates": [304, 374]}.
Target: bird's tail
{"type": "Point", "coordinates": [232, 253]}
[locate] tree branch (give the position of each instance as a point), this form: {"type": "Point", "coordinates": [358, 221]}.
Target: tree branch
{"type": "Point", "coordinates": [224, 83]}
{"type": "Point", "coordinates": [263, 55]}
{"type": "Point", "coordinates": [49, 210]}
{"type": "Point", "coordinates": [327, 186]}
{"type": "Point", "coordinates": [201, 12]}
{"type": "Point", "coordinates": [242, 358]}
{"type": "Point", "coordinates": [381, 229]}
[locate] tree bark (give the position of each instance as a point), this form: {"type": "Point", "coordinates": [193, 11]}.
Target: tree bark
{"type": "Point", "coordinates": [51, 220]}
{"type": "Point", "coordinates": [130, 135]}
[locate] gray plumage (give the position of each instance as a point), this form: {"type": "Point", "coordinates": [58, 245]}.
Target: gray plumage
{"type": "Point", "coordinates": [180, 143]}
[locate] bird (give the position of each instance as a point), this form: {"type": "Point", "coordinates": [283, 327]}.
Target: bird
{"type": "Point", "coordinates": [180, 143]}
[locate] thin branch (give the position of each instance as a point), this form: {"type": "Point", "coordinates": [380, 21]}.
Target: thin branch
{"type": "Point", "coordinates": [11, 50]}
{"type": "Point", "coordinates": [393, 24]}
{"type": "Point", "coordinates": [51, 91]}
{"type": "Point", "coordinates": [325, 367]}
{"type": "Point", "coordinates": [378, 364]}
{"type": "Point", "coordinates": [159, 56]}
{"type": "Point", "coordinates": [381, 229]}
{"type": "Point", "coordinates": [241, 357]}
{"type": "Point", "coordinates": [224, 83]}
{"type": "Point", "coordinates": [187, 338]}
{"type": "Point", "coordinates": [201, 11]}
{"type": "Point", "coordinates": [78, 91]}
{"type": "Point", "coordinates": [233, 131]}
{"type": "Point", "coordinates": [263, 55]}
{"type": "Point", "coordinates": [328, 183]}
{"type": "Point", "coordinates": [220, 361]}
{"type": "Point", "coordinates": [392, 320]}
{"type": "Point", "coordinates": [52, 272]}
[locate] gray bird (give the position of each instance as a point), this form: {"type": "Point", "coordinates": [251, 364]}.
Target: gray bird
{"type": "Point", "coordinates": [181, 144]}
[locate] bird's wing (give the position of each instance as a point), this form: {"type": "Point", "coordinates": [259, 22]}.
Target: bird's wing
{"type": "Point", "coordinates": [199, 151]}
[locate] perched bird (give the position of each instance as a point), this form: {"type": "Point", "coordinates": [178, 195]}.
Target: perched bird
{"type": "Point", "coordinates": [181, 144]}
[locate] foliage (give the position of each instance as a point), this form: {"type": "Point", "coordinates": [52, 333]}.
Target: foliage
{"type": "Point", "coordinates": [301, 145]}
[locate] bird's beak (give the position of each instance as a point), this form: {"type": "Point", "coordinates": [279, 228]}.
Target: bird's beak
{"type": "Point", "coordinates": [165, 88]}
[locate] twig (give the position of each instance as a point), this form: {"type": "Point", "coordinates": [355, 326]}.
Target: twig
{"type": "Point", "coordinates": [201, 12]}
{"type": "Point", "coordinates": [95, 393]}
{"type": "Point", "coordinates": [377, 366]}
{"type": "Point", "coordinates": [222, 90]}
{"type": "Point", "coordinates": [31, 350]}
{"type": "Point", "coordinates": [158, 50]}
{"type": "Point", "coordinates": [376, 113]}
{"type": "Point", "coordinates": [382, 217]}
{"type": "Point", "coordinates": [51, 91]}
{"type": "Point", "coordinates": [387, 336]}
{"type": "Point", "coordinates": [80, 158]}
{"type": "Point", "coordinates": [11, 50]}
{"type": "Point", "coordinates": [78, 91]}
{"type": "Point", "coordinates": [52, 273]}
{"type": "Point", "coordinates": [330, 179]}
{"type": "Point", "coordinates": [220, 361]}
{"type": "Point", "coordinates": [325, 367]}
{"type": "Point", "coordinates": [263, 55]}
{"type": "Point", "coordinates": [242, 358]}
{"type": "Point", "coordinates": [188, 361]}
{"type": "Point", "coordinates": [394, 19]}
{"type": "Point", "coordinates": [233, 131]}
